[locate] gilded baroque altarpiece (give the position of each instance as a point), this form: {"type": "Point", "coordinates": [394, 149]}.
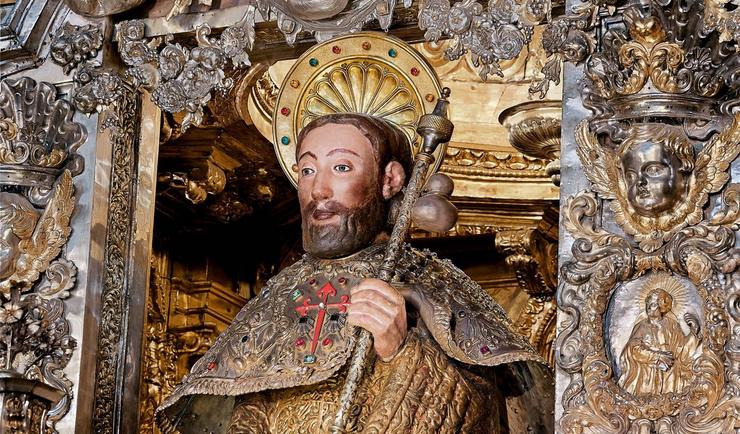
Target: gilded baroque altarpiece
{"type": "Point", "coordinates": [108, 122]}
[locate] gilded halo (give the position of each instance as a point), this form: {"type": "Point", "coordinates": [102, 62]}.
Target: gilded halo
{"type": "Point", "coordinates": [365, 72]}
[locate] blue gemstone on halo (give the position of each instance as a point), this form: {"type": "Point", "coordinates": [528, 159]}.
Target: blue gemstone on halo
{"type": "Point", "coordinates": [313, 61]}
{"type": "Point", "coordinates": [392, 52]}
{"type": "Point", "coordinates": [285, 140]}
{"type": "Point", "coordinates": [309, 358]}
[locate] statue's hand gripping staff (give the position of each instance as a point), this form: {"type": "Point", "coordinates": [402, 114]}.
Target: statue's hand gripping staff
{"type": "Point", "coordinates": [434, 128]}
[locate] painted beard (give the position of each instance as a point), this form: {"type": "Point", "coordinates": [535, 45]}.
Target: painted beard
{"type": "Point", "coordinates": [356, 229]}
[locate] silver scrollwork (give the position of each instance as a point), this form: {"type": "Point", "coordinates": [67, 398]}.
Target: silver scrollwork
{"type": "Point", "coordinates": [491, 34]}
{"type": "Point", "coordinates": [183, 79]}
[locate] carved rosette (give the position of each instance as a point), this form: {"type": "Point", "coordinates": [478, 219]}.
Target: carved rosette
{"type": "Point", "coordinates": [38, 158]}
{"type": "Point", "coordinates": [73, 45]}
{"type": "Point", "coordinates": [648, 315]}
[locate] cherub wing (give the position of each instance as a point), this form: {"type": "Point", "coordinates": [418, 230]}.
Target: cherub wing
{"type": "Point", "coordinates": [713, 161]}
{"type": "Point", "coordinates": [597, 163]}
{"type": "Point", "coordinates": [50, 234]}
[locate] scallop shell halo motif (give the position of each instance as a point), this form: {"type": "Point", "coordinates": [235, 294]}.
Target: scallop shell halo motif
{"type": "Point", "coordinates": [361, 87]}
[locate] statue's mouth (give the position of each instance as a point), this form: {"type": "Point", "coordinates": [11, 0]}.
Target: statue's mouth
{"type": "Point", "coordinates": [321, 215]}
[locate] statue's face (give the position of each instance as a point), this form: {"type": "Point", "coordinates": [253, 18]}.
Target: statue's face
{"type": "Point", "coordinates": [339, 191]}
{"type": "Point", "coordinates": [653, 306]}
{"type": "Point", "coordinates": [654, 182]}
{"type": "Point", "coordinates": [8, 252]}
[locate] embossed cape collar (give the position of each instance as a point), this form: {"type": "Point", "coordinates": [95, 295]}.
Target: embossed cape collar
{"type": "Point", "coordinates": [361, 255]}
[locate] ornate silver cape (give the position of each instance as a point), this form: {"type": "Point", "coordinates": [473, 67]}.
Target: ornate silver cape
{"type": "Point", "coordinates": [273, 342]}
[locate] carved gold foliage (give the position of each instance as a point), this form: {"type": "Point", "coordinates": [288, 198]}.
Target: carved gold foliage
{"type": "Point", "coordinates": [50, 234]}
{"type": "Point", "coordinates": [533, 258]}
{"type": "Point", "coordinates": [648, 55]}
{"type": "Point", "coordinates": [718, 15]}
{"type": "Point", "coordinates": [473, 162]}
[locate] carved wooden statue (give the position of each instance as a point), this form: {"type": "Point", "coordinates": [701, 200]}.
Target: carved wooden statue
{"type": "Point", "coordinates": [446, 359]}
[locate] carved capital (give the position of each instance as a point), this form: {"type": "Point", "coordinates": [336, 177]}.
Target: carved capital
{"type": "Point", "coordinates": [533, 257]}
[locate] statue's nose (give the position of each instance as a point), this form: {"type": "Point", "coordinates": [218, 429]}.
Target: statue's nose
{"type": "Point", "coordinates": [321, 189]}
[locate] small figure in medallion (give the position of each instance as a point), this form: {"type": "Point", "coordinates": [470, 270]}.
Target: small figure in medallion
{"type": "Point", "coordinates": [658, 356]}
{"type": "Point", "coordinates": [446, 360]}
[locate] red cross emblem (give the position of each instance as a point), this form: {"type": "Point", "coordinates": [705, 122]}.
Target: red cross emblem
{"type": "Point", "coordinates": [322, 307]}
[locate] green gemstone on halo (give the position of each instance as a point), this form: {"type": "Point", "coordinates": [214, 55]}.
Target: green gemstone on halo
{"type": "Point", "coordinates": [309, 358]}
{"type": "Point", "coordinates": [392, 52]}
{"type": "Point", "coordinates": [296, 294]}
{"type": "Point", "coordinates": [285, 140]}
{"type": "Point", "coordinates": [313, 61]}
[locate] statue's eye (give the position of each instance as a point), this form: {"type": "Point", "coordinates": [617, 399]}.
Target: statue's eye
{"type": "Point", "coordinates": [306, 171]}
{"type": "Point", "coordinates": [631, 176]}
{"type": "Point", "coordinates": [655, 170]}
{"type": "Point", "coordinates": [342, 168]}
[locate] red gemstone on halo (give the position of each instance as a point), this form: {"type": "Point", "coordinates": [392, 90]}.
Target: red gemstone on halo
{"type": "Point", "coordinates": [342, 280]}
{"type": "Point", "coordinates": [212, 366]}
{"type": "Point", "coordinates": [414, 71]}
{"type": "Point", "coordinates": [326, 342]}
{"type": "Point", "coordinates": [336, 50]}
{"type": "Point", "coordinates": [300, 342]}
{"type": "Point", "coordinates": [484, 349]}
{"type": "Point", "coordinates": [285, 111]}
{"type": "Point", "coordinates": [312, 282]}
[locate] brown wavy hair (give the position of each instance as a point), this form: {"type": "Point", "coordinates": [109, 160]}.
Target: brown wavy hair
{"type": "Point", "coordinates": [388, 141]}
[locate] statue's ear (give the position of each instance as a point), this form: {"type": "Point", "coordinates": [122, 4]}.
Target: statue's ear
{"type": "Point", "coordinates": [394, 178]}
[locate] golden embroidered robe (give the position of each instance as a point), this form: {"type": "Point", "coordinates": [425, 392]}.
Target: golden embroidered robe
{"type": "Point", "coordinates": [279, 367]}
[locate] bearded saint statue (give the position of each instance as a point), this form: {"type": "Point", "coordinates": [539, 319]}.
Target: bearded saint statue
{"type": "Point", "coordinates": [446, 358]}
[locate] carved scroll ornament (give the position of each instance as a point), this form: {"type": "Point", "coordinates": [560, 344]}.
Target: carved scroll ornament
{"type": "Point", "coordinates": [491, 34]}
{"type": "Point", "coordinates": [720, 15]}
{"type": "Point", "coordinates": [73, 45]}
{"type": "Point", "coordinates": [183, 79]}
